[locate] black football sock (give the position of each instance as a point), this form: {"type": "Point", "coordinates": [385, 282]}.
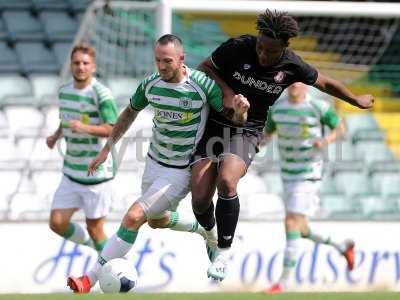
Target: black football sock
{"type": "Point", "coordinates": [206, 219]}
{"type": "Point", "coordinates": [227, 215]}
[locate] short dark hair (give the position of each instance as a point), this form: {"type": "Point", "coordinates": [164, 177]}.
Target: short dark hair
{"type": "Point", "coordinates": [84, 48]}
{"type": "Point", "coordinates": [170, 38]}
{"type": "Point", "coordinates": [277, 25]}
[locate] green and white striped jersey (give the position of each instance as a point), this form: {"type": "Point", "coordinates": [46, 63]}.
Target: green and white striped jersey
{"type": "Point", "coordinates": [92, 105]}
{"type": "Point", "coordinates": [298, 126]}
{"type": "Point", "coordinates": [180, 113]}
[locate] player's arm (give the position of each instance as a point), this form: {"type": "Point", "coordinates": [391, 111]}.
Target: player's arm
{"type": "Point", "coordinates": [335, 134]}
{"type": "Point", "coordinates": [209, 68]}
{"type": "Point", "coordinates": [52, 139]}
{"type": "Point", "coordinates": [101, 130]}
{"type": "Point", "coordinates": [339, 90]}
{"type": "Point", "coordinates": [123, 123]}
{"type": "Point", "coordinates": [237, 114]}
{"type": "Point", "coordinates": [269, 129]}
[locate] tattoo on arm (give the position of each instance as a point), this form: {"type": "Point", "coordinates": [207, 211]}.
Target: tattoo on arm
{"type": "Point", "coordinates": [122, 125]}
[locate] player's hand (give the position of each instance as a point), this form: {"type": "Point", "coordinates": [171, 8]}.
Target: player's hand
{"type": "Point", "coordinates": [241, 104]}
{"type": "Point", "coordinates": [97, 161]}
{"type": "Point", "coordinates": [365, 101]}
{"type": "Point", "coordinates": [51, 141]}
{"type": "Point", "coordinates": [76, 126]}
{"type": "Point", "coordinates": [320, 143]}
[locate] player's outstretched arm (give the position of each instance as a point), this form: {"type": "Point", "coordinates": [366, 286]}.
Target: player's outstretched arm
{"type": "Point", "coordinates": [123, 123]}
{"type": "Point", "coordinates": [228, 94]}
{"type": "Point", "coordinates": [337, 89]}
{"type": "Point", "coordinates": [52, 139]}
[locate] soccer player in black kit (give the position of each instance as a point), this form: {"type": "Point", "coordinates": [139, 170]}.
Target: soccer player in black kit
{"type": "Point", "coordinates": [259, 68]}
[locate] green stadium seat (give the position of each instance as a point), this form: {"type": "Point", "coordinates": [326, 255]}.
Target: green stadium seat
{"type": "Point", "coordinates": [350, 178]}
{"type": "Point", "coordinates": [3, 30]}
{"type": "Point", "coordinates": [15, 5]}
{"type": "Point", "coordinates": [23, 26]}
{"type": "Point", "coordinates": [8, 59]}
{"type": "Point", "coordinates": [273, 182]}
{"type": "Point", "coordinates": [123, 88]}
{"type": "Point", "coordinates": [61, 51]}
{"type": "Point", "coordinates": [58, 26]}
{"type": "Point", "coordinates": [376, 207]}
{"type": "Point", "coordinates": [386, 183]}
{"type": "Point", "coordinates": [40, 5]}
{"type": "Point", "coordinates": [36, 58]}
{"type": "Point", "coordinates": [362, 135]}
{"type": "Point", "coordinates": [45, 88]}
{"type": "Point", "coordinates": [372, 151]}
{"type": "Point", "coordinates": [338, 207]}
{"type": "Point", "coordinates": [354, 122]}
{"type": "Point", "coordinates": [79, 5]}
{"type": "Point", "coordinates": [14, 87]}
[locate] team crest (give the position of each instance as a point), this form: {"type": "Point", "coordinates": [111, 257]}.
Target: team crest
{"type": "Point", "coordinates": [246, 66]}
{"type": "Point", "coordinates": [279, 77]}
{"type": "Point", "coordinates": [185, 103]}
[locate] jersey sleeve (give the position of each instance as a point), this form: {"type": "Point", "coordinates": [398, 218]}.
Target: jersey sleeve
{"type": "Point", "coordinates": [214, 96]}
{"type": "Point", "coordinates": [306, 73]}
{"type": "Point", "coordinates": [139, 101]}
{"type": "Point", "coordinates": [107, 107]}
{"type": "Point", "coordinates": [330, 118]}
{"type": "Point", "coordinates": [270, 125]}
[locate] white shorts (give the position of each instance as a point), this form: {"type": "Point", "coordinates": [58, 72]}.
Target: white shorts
{"type": "Point", "coordinates": [95, 200]}
{"type": "Point", "coordinates": [162, 188]}
{"type": "Point", "coordinates": [301, 197]}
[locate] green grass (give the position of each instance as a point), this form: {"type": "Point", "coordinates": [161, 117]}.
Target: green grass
{"type": "Point", "coordinates": [209, 296]}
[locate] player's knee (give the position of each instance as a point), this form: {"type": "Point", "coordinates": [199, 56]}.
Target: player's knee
{"type": "Point", "coordinates": [58, 227]}
{"type": "Point", "coordinates": [227, 186]}
{"type": "Point", "coordinates": [291, 223]}
{"type": "Point", "coordinates": [134, 218]}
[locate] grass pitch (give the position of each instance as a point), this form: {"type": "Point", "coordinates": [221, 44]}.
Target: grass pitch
{"type": "Point", "coordinates": [209, 296]}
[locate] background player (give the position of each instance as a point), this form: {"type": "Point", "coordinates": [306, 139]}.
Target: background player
{"type": "Point", "coordinates": [87, 112]}
{"type": "Point", "coordinates": [298, 120]}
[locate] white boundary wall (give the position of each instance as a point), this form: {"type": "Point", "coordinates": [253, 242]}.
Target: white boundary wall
{"type": "Point", "coordinates": [34, 260]}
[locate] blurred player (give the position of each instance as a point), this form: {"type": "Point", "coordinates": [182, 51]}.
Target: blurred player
{"type": "Point", "coordinates": [87, 112]}
{"type": "Point", "coordinates": [260, 68]}
{"type": "Point", "coordinates": [181, 98]}
{"type": "Point", "coordinates": [298, 120]}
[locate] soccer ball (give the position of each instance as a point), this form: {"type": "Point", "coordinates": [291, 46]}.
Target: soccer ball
{"type": "Point", "coordinates": [118, 276]}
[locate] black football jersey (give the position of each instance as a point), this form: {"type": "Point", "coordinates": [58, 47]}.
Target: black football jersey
{"type": "Point", "coordinates": [237, 64]}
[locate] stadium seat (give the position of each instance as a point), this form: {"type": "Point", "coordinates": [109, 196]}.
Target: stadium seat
{"type": "Point", "coordinates": [15, 89]}
{"type": "Point", "coordinates": [374, 206]}
{"type": "Point", "coordinates": [351, 183]}
{"type": "Point", "coordinates": [12, 177]}
{"type": "Point", "coordinates": [15, 5]}
{"type": "Point", "coordinates": [338, 206]}
{"type": "Point", "coordinates": [386, 183]}
{"type": "Point", "coordinates": [8, 59]}
{"type": "Point", "coordinates": [62, 51]}
{"type": "Point", "coordinates": [362, 135]}
{"type": "Point", "coordinates": [45, 88]}
{"type": "Point", "coordinates": [79, 5]}
{"type": "Point", "coordinates": [342, 150]}
{"type": "Point", "coordinates": [372, 151]}
{"type": "Point", "coordinates": [354, 122]}
{"type": "Point", "coordinates": [58, 26]}
{"type": "Point", "coordinates": [36, 58]}
{"type": "Point", "coordinates": [23, 26]}
{"type": "Point", "coordinates": [40, 5]}
{"type": "Point", "coordinates": [122, 88]}
{"type": "Point", "coordinates": [273, 183]}
{"type": "Point", "coordinates": [3, 31]}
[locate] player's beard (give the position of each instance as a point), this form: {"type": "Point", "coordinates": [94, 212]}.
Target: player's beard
{"type": "Point", "coordinates": [172, 75]}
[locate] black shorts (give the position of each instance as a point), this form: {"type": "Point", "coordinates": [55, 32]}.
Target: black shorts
{"type": "Point", "coordinates": [219, 140]}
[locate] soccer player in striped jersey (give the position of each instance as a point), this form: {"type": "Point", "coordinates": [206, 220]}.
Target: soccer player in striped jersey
{"type": "Point", "coordinates": [181, 98]}
{"type": "Point", "coordinates": [298, 121]}
{"type": "Point", "coordinates": [87, 112]}
{"type": "Point", "coordinates": [260, 68]}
